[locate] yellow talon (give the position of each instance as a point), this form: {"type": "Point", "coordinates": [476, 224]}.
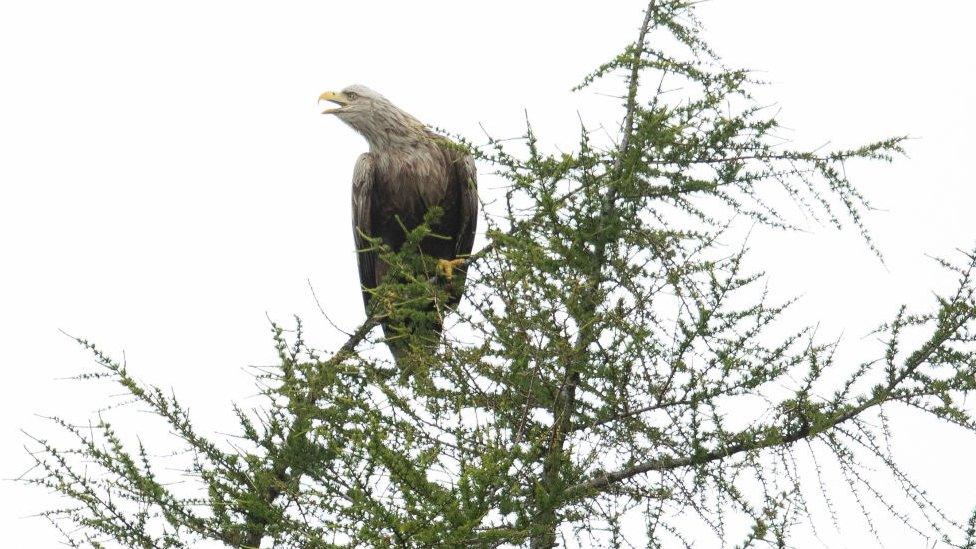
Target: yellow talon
{"type": "Point", "coordinates": [447, 266]}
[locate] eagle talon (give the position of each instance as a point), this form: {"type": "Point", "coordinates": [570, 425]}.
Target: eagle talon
{"type": "Point", "coordinates": [447, 266]}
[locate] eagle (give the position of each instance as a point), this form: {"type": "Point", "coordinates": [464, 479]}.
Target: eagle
{"type": "Point", "coordinates": [408, 170]}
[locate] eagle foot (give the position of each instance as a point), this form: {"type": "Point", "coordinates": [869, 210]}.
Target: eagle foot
{"type": "Point", "coordinates": [447, 266]}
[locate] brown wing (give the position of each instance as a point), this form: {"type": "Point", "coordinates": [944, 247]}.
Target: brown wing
{"type": "Point", "coordinates": [362, 205]}
{"type": "Point", "coordinates": [466, 177]}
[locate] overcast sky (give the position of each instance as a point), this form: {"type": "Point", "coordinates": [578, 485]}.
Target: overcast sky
{"type": "Point", "coordinates": [167, 184]}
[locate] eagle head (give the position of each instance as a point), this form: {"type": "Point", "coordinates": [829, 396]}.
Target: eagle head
{"type": "Point", "coordinates": [373, 116]}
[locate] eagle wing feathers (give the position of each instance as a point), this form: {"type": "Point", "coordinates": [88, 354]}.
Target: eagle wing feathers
{"type": "Point", "coordinates": [467, 180]}
{"type": "Point", "coordinates": [363, 179]}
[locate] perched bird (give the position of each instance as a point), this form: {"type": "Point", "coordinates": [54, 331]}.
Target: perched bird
{"type": "Point", "coordinates": [408, 170]}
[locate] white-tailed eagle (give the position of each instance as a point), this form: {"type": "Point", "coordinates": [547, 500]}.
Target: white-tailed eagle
{"type": "Point", "coordinates": [408, 170]}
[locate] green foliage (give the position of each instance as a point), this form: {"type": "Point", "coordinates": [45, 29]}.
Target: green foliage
{"type": "Point", "coordinates": [413, 298]}
{"type": "Point", "coordinates": [595, 374]}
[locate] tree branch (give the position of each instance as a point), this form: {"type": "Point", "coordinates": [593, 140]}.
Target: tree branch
{"type": "Point", "coordinates": [882, 394]}
{"type": "Point", "coordinates": [564, 404]}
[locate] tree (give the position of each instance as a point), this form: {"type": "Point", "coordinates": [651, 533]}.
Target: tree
{"type": "Point", "coordinates": [603, 365]}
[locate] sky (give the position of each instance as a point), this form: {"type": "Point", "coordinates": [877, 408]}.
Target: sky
{"type": "Point", "coordinates": [167, 184]}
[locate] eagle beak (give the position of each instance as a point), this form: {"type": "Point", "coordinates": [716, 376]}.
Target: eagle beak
{"type": "Point", "coordinates": [337, 98]}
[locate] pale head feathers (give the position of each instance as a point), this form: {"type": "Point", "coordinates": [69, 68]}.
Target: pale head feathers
{"type": "Point", "coordinates": [383, 124]}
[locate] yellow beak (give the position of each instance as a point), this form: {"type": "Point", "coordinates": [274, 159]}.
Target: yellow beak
{"type": "Point", "coordinates": [335, 97]}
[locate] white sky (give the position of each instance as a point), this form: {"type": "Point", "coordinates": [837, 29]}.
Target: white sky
{"type": "Point", "coordinates": [166, 180]}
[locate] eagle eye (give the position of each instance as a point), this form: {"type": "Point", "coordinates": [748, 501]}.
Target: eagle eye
{"type": "Point", "coordinates": [352, 95]}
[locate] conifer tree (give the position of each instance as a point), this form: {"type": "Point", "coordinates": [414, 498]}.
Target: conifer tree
{"type": "Point", "coordinates": [596, 376]}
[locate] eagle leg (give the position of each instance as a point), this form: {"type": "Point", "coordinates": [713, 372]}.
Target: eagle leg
{"type": "Point", "coordinates": [447, 266]}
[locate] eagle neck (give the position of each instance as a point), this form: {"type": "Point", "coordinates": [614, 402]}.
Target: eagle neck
{"type": "Point", "coordinates": [401, 145]}
{"type": "Point", "coordinates": [389, 130]}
